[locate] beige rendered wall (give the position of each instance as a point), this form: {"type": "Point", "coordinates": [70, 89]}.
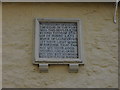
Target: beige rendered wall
{"type": "Point", "coordinates": [100, 43]}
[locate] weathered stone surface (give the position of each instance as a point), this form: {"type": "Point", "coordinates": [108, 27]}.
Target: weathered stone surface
{"type": "Point", "coordinates": [58, 40]}
{"type": "Point", "coordinates": [100, 40]}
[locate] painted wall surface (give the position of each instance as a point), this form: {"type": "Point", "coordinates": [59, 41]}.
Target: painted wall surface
{"type": "Point", "coordinates": [100, 43]}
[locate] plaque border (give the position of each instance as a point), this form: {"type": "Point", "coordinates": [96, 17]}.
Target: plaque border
{"type": "Point", "coordinates": [79, 60]}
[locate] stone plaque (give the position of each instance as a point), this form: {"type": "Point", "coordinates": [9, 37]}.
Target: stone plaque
{"type": "Point", "coordinates": [58, 40]}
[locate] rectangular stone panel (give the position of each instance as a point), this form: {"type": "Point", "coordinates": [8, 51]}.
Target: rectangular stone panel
{"type": "Point", "coordinates": [58, 40]}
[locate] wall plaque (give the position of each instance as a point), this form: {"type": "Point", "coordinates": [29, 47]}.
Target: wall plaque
{"type": "Point", "coordinates": [58, 41]}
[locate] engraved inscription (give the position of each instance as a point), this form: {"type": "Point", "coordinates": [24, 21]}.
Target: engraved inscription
{"type": "Point", "coordinates": [58, 40]}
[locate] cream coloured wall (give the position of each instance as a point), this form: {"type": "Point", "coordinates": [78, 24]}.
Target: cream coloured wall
{"type": "Point", "coordinates": [100, 43]}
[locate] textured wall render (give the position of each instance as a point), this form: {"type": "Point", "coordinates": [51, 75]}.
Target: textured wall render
{"type": "Point", "coordinates": [100, 40]}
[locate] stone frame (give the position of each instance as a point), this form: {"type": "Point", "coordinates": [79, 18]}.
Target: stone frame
{"type": "Point", "coordinates": [45, 61]}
